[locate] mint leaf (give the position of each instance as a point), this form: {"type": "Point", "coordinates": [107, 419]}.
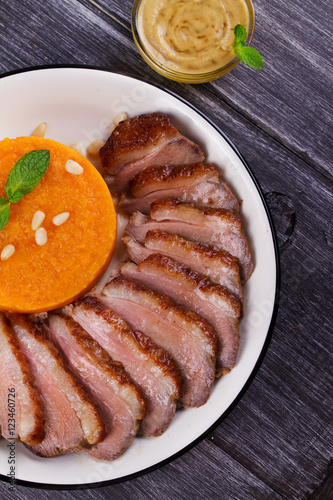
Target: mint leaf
{"type": "Point", "coordinates": [4, 212]}
{"type": "Point", "coordinates": [249, 56]}
{"type": "Point", "coordinates": [240, 33]}
{"type": "Point", "coordinates": [26, 174]}
{"type": "Point", "coordinates": [16, 197]}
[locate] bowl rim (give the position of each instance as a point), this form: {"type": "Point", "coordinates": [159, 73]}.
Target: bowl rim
{"type": "Point", "coordinates": [181, 76]}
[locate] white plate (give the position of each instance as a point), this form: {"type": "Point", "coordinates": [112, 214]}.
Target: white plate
{"type": "Point", "coordinates": [78, 106]}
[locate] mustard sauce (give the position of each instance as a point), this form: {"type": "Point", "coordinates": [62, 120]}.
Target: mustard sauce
{"type": "Point", "coordinates": [191, 36]}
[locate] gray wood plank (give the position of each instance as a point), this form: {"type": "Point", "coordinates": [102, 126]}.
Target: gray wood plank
{"type": "Point", "coordinates": [278, 437]}
{"type": "Point", "coordinates": [217, 477]}
{"type": "Point", "coordinates": [293, 94]}
{"type": "Point", "coordinates": [295, 89]}
{"type": "Point", "coordinates": [291, 98]}
{"type": "Point", "coordinates": [284, 429]}
{"type": "Point", "coordinates": [325, 491]}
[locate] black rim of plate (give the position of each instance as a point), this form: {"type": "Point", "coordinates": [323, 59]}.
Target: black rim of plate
{"type": "Point", "coordinates": [255, 369]}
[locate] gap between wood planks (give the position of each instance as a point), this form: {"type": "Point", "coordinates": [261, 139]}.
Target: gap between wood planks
{"type": "Point", "coordinates": [210, 440]}
{"type": "Point", "coordinates": [327, 483]}
{"type": "Point", "coordinates": [324, 491]}
{"type": "Point", "coordinates": [304, 157]}
{"type": "Point", "coordinates": [112, 16]}
{"type": "Point", "coordinates": [313, 164]}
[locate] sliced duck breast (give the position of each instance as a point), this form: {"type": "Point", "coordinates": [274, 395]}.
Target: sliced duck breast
{"type": "Point", "coordinates": [198, 183]}
{"type": "Point", "coordinates": [141, 142]}
{"type": "Point", "coordinates": [117, 399]}
{"type": "Point", "coordinates": [151, 368]}
{"type": "Point", "coordinates": [213, 226]}
{"type": "Point", "coordinates": [219, 266]}
{"type": "Point", "coordinates": [136, 138]}
{"type": "Point", "coordinates": [71, 420]}
{"type": "Point", "coordinates": [212, 302]}
{"type": "Point", "coordinates": [21, 406]}
{"type": "Point", "coordinates": [190, 340]}
{"type": "Point", "coordinates": [180, 151]}
{"type": "Point", "coordinates": [171, 176]}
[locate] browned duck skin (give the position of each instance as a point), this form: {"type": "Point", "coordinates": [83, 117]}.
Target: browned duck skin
{"type": "Point", "coordinates": [219, 266]}
{"type": "Point", "coordinates": [18, 393]}
{"type": "Point", "coordinates": [141, 142]}
{"type": "Point", "coordinates": [194, 291]}
{"type": "Point", "coordinates": [71, 420]}
{"type": "Point", "coordinates": [197, 183]}
{"type": "Point", "coordinates": [117, 399]}
{"type": "Point", "coordinates": [151, 368]}
{"type": "Point", "coordinates": [189, 339]}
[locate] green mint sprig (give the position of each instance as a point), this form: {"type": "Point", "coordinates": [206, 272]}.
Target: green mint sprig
{"type": "Point", "coordinates": [247, 55]}
{"type": "Point", "coordinates": [25, 175]}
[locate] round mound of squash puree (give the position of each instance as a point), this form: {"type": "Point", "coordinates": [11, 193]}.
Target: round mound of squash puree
{"type": "Point", "coordinates": [40, 278]}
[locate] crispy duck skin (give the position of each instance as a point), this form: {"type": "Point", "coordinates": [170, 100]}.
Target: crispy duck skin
{"type": "Point", "coordinates": [180, 151]}
{"type": "Point", "coordinates": [197, 183]}
{"type": "Point", "coordinates": [190, 289]}
{"type": "Point", "coordinates": [209, 194]}
{"type": "Point", "coordinates": [171, 176]}
{"type": "Point", "coordinates": [26, 402]}
{"type": "Point", "coordinates": [117, 399]}
{"type": "Point", "coordinates": [220, 267]}
{"type": "Point", "coordinates": [216, 227]}
{"type": "Point", "coordinates": [151, 368]}
{"type": "Point", "coordinates": [141, 142]}
{"type": "Point", "coordinates": [189, 339]}
{"type": "Point", "coordinates": [71, 420]}
{"type": "Point", "coordinates": [136, 138]}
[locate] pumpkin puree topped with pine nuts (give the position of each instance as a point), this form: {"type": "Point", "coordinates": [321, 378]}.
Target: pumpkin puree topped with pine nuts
{"type": "Point", "coordinates": [48, 263]}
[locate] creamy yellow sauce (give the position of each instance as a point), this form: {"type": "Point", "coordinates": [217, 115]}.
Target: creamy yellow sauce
{"type": "Point", "coordinates": [191, 36]}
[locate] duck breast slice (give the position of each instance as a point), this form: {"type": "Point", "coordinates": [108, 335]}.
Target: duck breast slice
{"type": "Point", "coordinates": [151, 368]}
{"type": "Point", "coordinates": [190, 340]}
{"type": "Point", "coordinates": [117, 399]}
{"type": "Point", "coordinates": [71, 420]}
{"type": "Point", "coordinates": [179, 151]}
{"type": "Point", "coordinates": [141, 142]}
{"type": "Point", "coordinates": [197, 183]}
{"type": "Point", "coordinates": [212, 226]}
{"type": "Point", "coordinates": [171, 176]}
{"type": "Point", "coordinates": [135, 138]}
{"type": "Point", "coordinates": [219, 266]}
{"type": "Point", "coordinates": [212, 302]}
{"type": "Point", "coordinates": [21, 406]}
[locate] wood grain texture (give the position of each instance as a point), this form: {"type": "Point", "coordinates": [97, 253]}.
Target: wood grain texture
{"type": "Point", "coordinates": [326, 488]}
{"type": "Point", "coordinates": [177, 481]}
{"type": "Point", "coordinates": [277, 442]}
{"type": "Point", "coordinates": [297, 84]}
{"type": "Point", "coordinates": [287, 431]}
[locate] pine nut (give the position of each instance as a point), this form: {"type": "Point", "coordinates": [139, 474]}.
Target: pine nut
{"type": "Point", "coordinates": [73, 167]}
{"type": "Point", "coordinates": [120, 118]}
{"type": "Point", "coordinates": [7, 252]}
{"type": "Point", "coordinates": [78, 148]}
{"type": "Point", "coordinates": [40, 130]}
{"type": "Point", "coordinates": [60, 218]}
{"type": "Point", "coordinates": [94, 147]}
{"type": "Point", "coordinates": [37, 220]}
{"type": "Point", "coordinates": [41, 236]}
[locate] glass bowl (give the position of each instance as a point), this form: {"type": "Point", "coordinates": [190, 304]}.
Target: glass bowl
{"type": "Point", "coordinates": [179, 76]}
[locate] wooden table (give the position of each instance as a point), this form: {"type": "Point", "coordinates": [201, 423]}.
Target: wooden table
{"type": "Point", "coordinates": [277, 442]}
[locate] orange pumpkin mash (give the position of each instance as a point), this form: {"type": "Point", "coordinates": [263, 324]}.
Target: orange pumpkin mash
{"type": "Point", "coordinates": [40, 278]}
